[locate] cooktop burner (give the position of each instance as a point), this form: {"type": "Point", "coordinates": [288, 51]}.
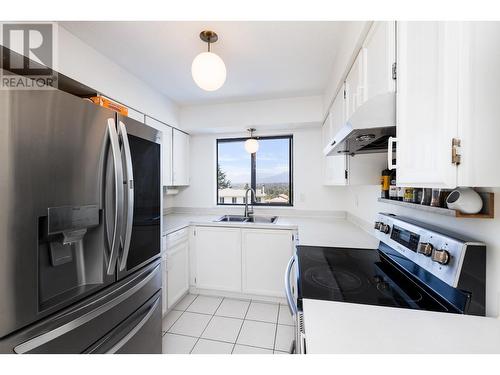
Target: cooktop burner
{"type": "Point", "coordinates": [344, 281]}
{"type": "Point", "coordinates": [358, 276]}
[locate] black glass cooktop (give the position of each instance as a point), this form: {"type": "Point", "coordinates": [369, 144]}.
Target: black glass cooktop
{"type": "Point", "coordinates": [359, 276]}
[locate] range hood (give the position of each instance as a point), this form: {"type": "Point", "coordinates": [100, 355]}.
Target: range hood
{"type": "Point", "coordinates": [368, 129]}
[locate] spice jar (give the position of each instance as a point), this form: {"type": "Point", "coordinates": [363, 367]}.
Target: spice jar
{"type": "Point", "coordinates": [435, 198]}
{"type": "Point", "coordinates": [408, 197]}
{"type": "Point", "coordinates": [426, 196]}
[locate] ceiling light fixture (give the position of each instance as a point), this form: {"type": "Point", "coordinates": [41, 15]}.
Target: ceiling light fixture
{"type": "Point", "coordinates": [208, 69]}
{"type": "Point", "coordinates": [251, 144]}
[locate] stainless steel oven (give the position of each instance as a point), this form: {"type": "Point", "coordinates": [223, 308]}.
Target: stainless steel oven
{"type": "Point", "coordinates": [416, 266]}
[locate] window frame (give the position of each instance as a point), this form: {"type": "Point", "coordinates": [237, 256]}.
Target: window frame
{"type": "Point", "coordinates": [253, 167]}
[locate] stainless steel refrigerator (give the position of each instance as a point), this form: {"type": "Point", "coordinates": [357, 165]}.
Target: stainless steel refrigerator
{"type": "Point", "coordinates": [80, 227]}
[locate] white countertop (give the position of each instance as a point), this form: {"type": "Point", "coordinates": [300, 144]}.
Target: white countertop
{"type": "Point", "coordinates": [340, 327]}
{"type": "Point", "coordinates": [313, 231]}
{"type": "Point", "coordinates": [330, 232]}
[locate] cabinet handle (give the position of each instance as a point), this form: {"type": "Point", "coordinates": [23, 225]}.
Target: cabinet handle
{"type": "Point", "coordinates": [390, 144]}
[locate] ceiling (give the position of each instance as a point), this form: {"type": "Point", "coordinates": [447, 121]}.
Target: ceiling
{"type": "Point", "coordinates": [263, 59]}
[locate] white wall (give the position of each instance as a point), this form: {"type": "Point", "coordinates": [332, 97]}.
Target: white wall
{"type": "Point", "coordinates": [261, 114]}
{"type": "Point", "coordinates": [79, 61]}
{"type": "Point", "coordinates": [486, 230]}
{"type": "Point", "coordinates": [309, 194]}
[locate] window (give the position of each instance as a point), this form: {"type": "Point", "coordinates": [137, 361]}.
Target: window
{"type": "Point", "coordinates": [268, 172]}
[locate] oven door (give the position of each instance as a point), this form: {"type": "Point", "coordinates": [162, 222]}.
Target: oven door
{"type": "Point", "coordinates": [141, 237]}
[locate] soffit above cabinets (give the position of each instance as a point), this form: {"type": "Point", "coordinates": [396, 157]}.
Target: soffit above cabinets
{"type": "Point", "coordinates": [264, 60]}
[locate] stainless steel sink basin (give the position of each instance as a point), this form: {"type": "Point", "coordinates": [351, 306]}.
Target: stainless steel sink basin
{"type": "Point", "coordinates": [243, 219]}
{"type": "Point", "coordinates": [263, 219]}
{"type": "Point", "coordinates": [232, 218]}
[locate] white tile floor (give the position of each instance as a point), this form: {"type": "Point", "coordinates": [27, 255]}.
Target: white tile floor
{"type": "Point", "coordinates": [216, 325]}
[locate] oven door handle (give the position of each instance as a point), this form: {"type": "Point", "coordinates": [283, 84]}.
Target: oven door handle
{"type": "Point", "coordinates": [288, 287]}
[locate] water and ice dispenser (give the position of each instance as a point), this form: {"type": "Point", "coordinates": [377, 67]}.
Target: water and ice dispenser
{"type": "Point", "coordinates": [69, 253]}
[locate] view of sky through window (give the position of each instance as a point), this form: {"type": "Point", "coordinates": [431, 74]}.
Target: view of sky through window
{"type": "Point", "coordinates": [272, 172]}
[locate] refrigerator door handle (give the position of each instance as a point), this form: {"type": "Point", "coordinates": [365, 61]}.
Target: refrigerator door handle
{"type": "Point", "coordinates": [118, 182]}
{"type": "Point", "coordinates": [134, 330]}
{"type": "Point", "coordinates": [129, 186]}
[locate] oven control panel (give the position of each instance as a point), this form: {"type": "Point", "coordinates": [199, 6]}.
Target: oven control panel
{"type": "Point", "coordinates": [438, 253]}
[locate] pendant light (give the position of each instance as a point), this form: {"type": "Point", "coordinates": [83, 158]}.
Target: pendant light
{"type": "Point", "coordinates": [208, 69]}
{"type": "Point", "coordinates": [251, 144]}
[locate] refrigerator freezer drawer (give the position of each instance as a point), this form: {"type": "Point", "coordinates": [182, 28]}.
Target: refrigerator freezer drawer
{"type": "Point", "coordinates": [81, 328]}
{"type": "Point", "coordinates": [138, 334]}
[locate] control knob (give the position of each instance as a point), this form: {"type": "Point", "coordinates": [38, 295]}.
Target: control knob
{"type": "Point", "coordinates": [440, 256]}
{"type": "Point", "coordinates": [385, 228]}
{"type": "Point", "coordinates": [425, 248]}
{"type": "Point", "coordinates": [377, 225]}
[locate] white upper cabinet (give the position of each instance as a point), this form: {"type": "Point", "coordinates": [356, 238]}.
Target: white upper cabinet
{"type": "Point", "coordinates": [339, 170]}
{"type": "Point", "coordinates": [180, 159]}
{"type": "Point", "coordinates": [355, 84]}
{"type": "Point", "coordinates": [334, 167]}
{"type": "Point", "coordinates": [167, 156]}
{"type": "Point", "coordinates": [175, 154]}
{"type": "Point", "coordinates": [166, 148]}
{"type": "Point", "coordinates": [426, 104]}
{"type": "Point", "coordinates": [380, 56]}
{"type": "Point", "coordinates": [479, 104]}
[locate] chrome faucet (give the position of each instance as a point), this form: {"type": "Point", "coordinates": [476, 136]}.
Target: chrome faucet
{"type": "Point", "coordinates": [248, 212]}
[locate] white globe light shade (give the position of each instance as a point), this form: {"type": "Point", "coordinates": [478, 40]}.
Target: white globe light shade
{"type": "Point", "coordinates": [251, 145]}
{"type": "Point", "coordinates": [208, 71]}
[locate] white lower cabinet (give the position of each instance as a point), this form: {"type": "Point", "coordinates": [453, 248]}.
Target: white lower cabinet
{"type": "Point", "coordinates": [164, 308]}
{"type": "Point", "coordinates": [218, 258]}
{"type": "Point", "coordinates": [265, 254]}
{"type": "Point", "coordinates": [245, 261]}
{"type": "Point", "coordinates": [175, 268]}
{"type": "Point", "coordinates": [177, 273]}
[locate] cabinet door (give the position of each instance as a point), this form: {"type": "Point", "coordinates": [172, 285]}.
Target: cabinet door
{"type": "Point", "coordinates": [180, 170]}
{"type": "Point", "coordinates": [166, 149]}
{"type": "Point", "coordinates": [355, 84]}
{"type": "Point", "coordinates": [177, 272]}
{"type": "Point", "coordinates": [426, 109]}
{"type": "Point", "coordinates": [167, 157]}
{"type": "Point", "coordinates": [265, 256]}
{"type": "Point", "coordinates": [326, 131]}
{"type": "Point", "coordinates": [380, 55]}
{"type": "Point", "coordinates": [164, 286]}
{"type": "Point", "coordinates": [479, 109]}
{"type": "Point", "coordinates": [218, 258]}
{"type": "Point", "coordinates": [334, 167]}
{"type": "Point", "coordinates": [365, 169]}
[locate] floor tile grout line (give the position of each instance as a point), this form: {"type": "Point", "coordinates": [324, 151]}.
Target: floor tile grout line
{"type": "Point", "coordinates": [243, 322]}
{"type": "Point", "coordinates": [201, 338]}
{"type": "Point", "coordinates": [253, 346]}
{"type": "Point", "coordinates": [182, 313]}
{"type": "Point", "coordinates": [223, 342]}
{"type": "Point", "coordinates": [276, 329]}
{"type": "Point", "coordinates": [201, 334]}
{"type": "Point", "coordinates": [194, 299]}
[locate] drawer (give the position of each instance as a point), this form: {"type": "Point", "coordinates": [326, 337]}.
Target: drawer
{"type": "Point", "coordinates": [176, 237]}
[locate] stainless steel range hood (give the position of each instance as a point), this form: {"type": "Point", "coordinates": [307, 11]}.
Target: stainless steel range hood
{"type": "Point", "coordinates": [368, 129]}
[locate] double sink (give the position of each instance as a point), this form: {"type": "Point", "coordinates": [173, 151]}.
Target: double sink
{"type": "Point", "coordinates": [244, 219]}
